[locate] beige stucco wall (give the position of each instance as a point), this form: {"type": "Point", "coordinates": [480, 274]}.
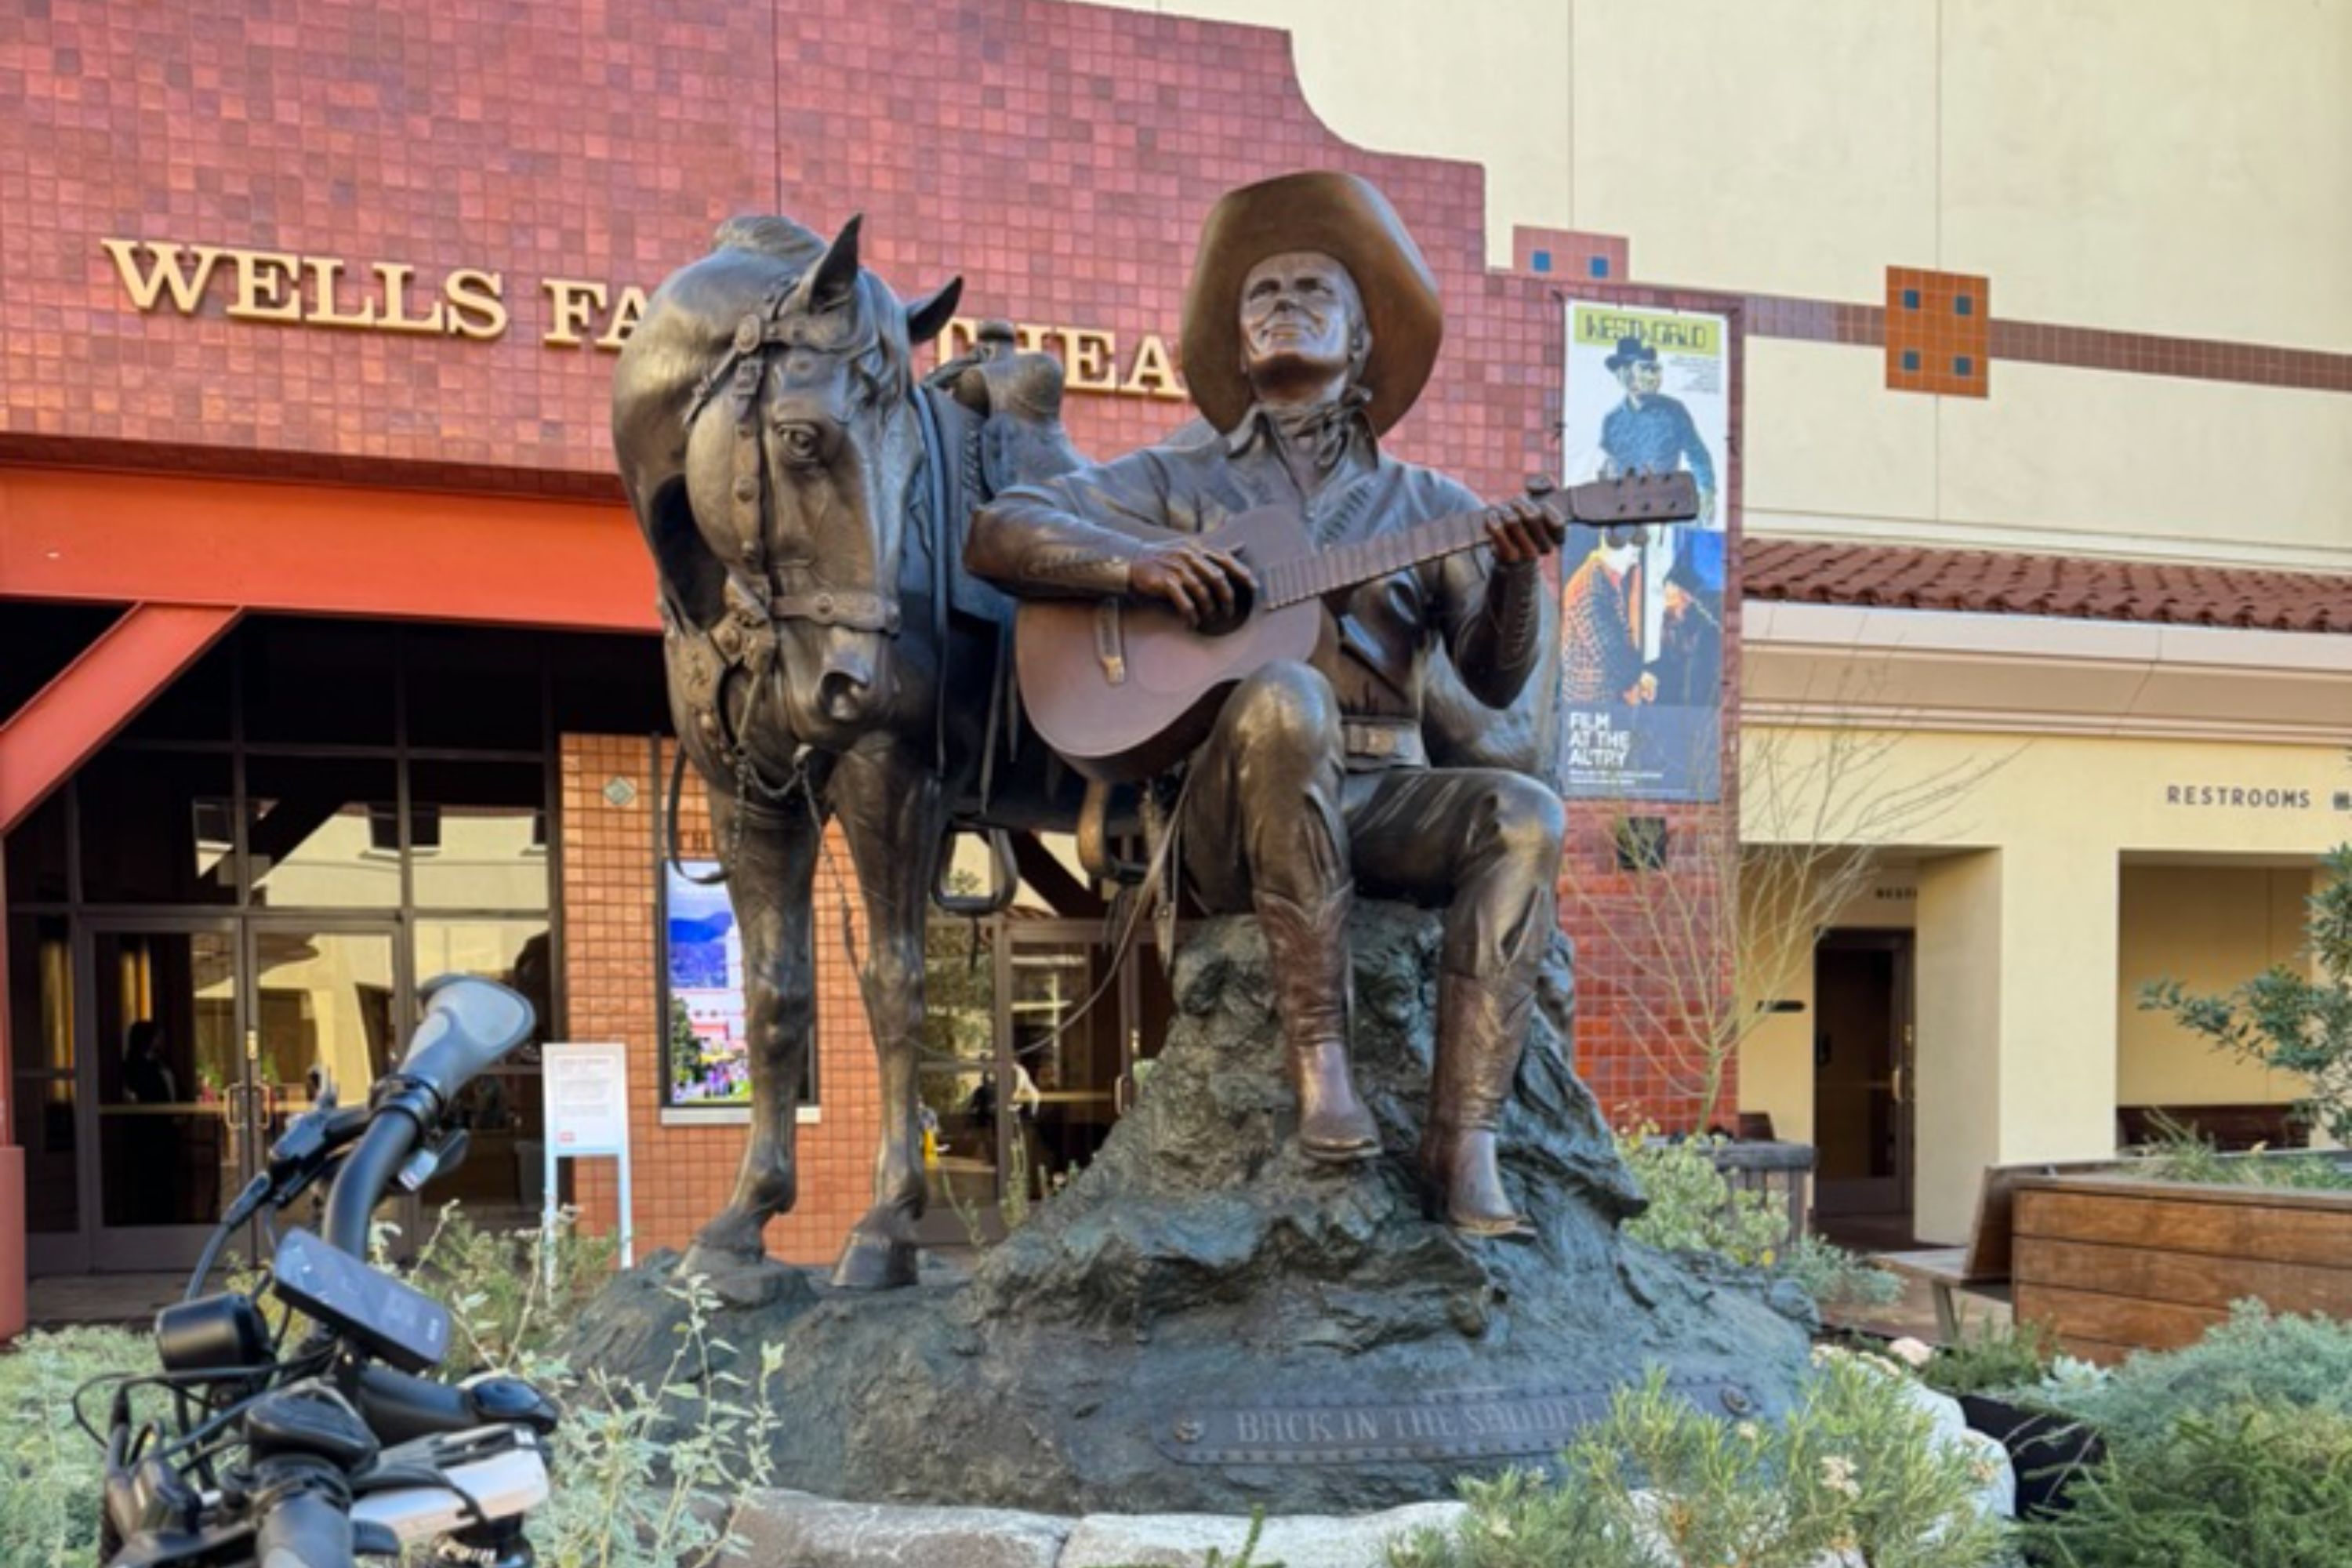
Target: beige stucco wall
{"type": "Point", "coordinates": [2177, 167]}
{"type": "Point", "coordinates": [2023, 1038]}
{"type": "Point", "coordinates": [2212, 928]}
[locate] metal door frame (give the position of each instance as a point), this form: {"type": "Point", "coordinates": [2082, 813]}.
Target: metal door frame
{"type": "Point", "coordinates": [105, 1248]}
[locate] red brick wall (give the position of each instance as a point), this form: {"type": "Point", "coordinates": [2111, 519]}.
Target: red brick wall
{"type": "Point", "coordinates": [1058, 156]}
{"type": "Point", "coordinates": [682, 1174]}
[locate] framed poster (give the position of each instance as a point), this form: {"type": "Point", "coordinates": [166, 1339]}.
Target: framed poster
{"type": "Point", "coordinates": [1642, 650]}
{"type": "Point", "coordinates": [704, 1057]}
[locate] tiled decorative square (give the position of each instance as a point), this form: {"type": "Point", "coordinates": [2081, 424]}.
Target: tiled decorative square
{"type": "Point", "coordinates": [1938, 333]}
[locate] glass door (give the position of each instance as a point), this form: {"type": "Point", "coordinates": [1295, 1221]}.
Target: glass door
{"type": "Point", "coordinates": [1066, 1066]}
{"type": "Point", "coordinates": [166, 1108]}
{"type": "Point", "coordinates": [325, 1010]}
{"type": "Point", "coordinates": [206, 1038]}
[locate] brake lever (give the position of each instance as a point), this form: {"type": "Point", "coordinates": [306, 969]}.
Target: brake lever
{"type": "Point", "coordinates": [438, 1158]}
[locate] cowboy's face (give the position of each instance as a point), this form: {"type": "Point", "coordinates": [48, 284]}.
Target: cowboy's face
{"type": "Point", "coordinates": [1301, 322]}
{"type": "Point", "coordinates": [1640, 377]}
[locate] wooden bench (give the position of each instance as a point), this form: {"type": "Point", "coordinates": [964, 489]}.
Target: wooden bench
{"type": "Point", "coordinates": [1984, 1265]}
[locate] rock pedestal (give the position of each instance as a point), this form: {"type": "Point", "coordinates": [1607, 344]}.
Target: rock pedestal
{"type": "Point", "coordinates": [1204, 1321]}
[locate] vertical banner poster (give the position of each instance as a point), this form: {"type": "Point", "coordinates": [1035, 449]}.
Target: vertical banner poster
{"type": "Point", "coordinates": [702, 962]}
{"type": "Point", "coordinates": [1648, 391]}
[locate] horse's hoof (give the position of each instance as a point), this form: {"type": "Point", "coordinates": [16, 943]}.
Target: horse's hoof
{"type": "Point", "coordinates": [875, 1263]}
{"type": "Point", "coordinates": [749, 1282]}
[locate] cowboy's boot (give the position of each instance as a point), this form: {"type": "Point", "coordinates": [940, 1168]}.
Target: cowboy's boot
{"type": "Point", "coordinates": [1482, 1027]}
{"type": "Point", "coordinates": [1308, 949]}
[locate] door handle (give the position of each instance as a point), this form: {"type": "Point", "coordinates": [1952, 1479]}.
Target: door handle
{"type": "Point", "coordinates": [1896, 1089]}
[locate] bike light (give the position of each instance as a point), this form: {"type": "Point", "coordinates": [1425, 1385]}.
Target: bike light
{"type": "Point", "coordinates": [219, 1332]}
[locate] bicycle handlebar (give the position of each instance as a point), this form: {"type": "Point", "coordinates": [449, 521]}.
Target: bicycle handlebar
{"type": "Point", "coordinates": [307, 1523]}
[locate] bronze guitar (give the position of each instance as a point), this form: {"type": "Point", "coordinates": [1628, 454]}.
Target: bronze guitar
{"type": "Point", "coordinates": [1125, 688]}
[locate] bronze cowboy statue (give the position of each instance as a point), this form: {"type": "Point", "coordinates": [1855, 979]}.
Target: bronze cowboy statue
{"type": "Point", "coordinates": [810, 506]}
{"type": "Point", "coordinates": [1310, 327]}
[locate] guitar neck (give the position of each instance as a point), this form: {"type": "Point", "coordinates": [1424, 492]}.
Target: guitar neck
{"type": "Point", "coordinates": [1365, 561]}
{"type": "Point", "coordinates": [1635, 499]}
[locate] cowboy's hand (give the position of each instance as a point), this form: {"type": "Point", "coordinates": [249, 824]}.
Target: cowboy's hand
{"type": "Point", "coordinates": [1522, 531]}
{"type": "Point", "coordinates": [1201, 581]}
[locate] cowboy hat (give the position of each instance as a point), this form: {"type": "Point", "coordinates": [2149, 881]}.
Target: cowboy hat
{"type": "Point", "coordinates": [1343, 216]}
{"type": "Point", "coordinates": [1631, 351]}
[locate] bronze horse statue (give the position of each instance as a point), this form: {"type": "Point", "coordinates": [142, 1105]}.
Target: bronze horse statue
{"type": "Point", "coordinates": [805, 496]}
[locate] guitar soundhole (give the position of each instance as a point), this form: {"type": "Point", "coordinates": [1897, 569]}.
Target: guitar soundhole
{"type": "Point", "coordinates": [1216, 624]}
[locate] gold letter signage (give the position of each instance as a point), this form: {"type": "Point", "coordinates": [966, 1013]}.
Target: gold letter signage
{"type": "Point", "coordinates": [470, 303]}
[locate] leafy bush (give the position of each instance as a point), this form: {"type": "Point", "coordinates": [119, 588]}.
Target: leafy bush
{"type": "Point", "coordinates": [1693, 1208]}
{"type": "Point", "coordinates": [2255, 1486]}
{"type": "Point", "coordinates": [2180, 1155]}
{"type": "Point", "coordinates": [1999, 1357]}
{"type": "Point", "coordinates": [513, 1292]}
{"type": "Point", "coordinates": [644, 1478]}
{"type": "Point", "coordinates": [1836, 1277]}
{"type": "Point", "coordinates": [1858, 1467]}
{"type": "Point", "coordinates": [2256, 1360]}
{"type": "Point", "coordinates": [49, 1470]}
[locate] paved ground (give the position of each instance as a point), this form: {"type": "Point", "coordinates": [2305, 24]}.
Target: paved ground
{"type": "Point", "coordinates": [1915, 1314]}
{"type": "Point", "coordinates": [100, 1298]}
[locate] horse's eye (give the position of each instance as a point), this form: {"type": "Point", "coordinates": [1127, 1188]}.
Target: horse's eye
{"type": "Point", "coordinates": [800, 443]}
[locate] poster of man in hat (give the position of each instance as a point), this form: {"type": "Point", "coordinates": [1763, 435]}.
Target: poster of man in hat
{"type": "Point", "coordinates": [1648, 391]}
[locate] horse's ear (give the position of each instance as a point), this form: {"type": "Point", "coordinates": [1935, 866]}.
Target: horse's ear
{"type": "Point", "coordinates": [929, 316]}
{"type": "Point", "coordinates": [836, 271]}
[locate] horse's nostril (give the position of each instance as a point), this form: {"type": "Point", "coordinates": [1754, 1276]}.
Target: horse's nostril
{"type": "Point", "coordinates": [843, 692]}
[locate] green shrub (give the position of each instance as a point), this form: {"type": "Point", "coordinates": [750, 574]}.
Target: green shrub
{"type": "Point", "coordinates": [644, 1477]}
{"type": "Point", "coordinates": [513, 1292]}
{"type": "Point", "coordinates": [1835, 1277]}
{"type": "Point", "coordinates": [2255, 1486]}
{"type": "Point", "coordinates": [1857, 1468]}
{"type": "Point", "coordinates": [1693, 1208]}
{"type": "Point", "coordinates": [49, 1469]}
{"type": "Point", "coordinates": [2256, 1360]}
{"type": "Point", "coordinates": [2182, 1154]}
{"type": "Point", "coordinates": [1998, 1357]}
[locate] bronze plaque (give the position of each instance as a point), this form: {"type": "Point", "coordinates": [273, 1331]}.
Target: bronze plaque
{"type": "Point", "coordinates": [1362, 1428]}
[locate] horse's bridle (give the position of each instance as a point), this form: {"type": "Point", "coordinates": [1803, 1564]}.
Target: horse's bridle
{"type": "Point", "coordinates": [740, 369]}
{"type": "Point", "coordinates": [758, 604]}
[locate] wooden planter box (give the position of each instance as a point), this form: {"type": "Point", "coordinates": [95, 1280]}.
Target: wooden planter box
{"type": "Point", "coordinates": [2113, 1264]}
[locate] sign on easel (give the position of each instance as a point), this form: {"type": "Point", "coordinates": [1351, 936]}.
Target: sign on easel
{"type": "Point", "coordinates": [586, 1090]}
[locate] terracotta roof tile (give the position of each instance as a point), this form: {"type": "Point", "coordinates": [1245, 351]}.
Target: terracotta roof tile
{"type": "Point", "coordinates": [1988, 583]}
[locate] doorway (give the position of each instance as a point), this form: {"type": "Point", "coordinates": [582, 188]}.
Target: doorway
{"type": "Point", "coordinates": [206, 1036]}
{"type": "Point", "coordinates": [1862, 1110]}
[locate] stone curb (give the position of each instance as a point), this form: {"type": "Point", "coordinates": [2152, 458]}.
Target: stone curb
{"type": "Point", "coordinates": [794, 1529]}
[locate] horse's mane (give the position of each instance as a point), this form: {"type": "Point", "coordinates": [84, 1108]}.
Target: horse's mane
{"type": "Point", "coordinates": [792, 244]}
{"type": "Point", "coordinates": [881, 359]}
